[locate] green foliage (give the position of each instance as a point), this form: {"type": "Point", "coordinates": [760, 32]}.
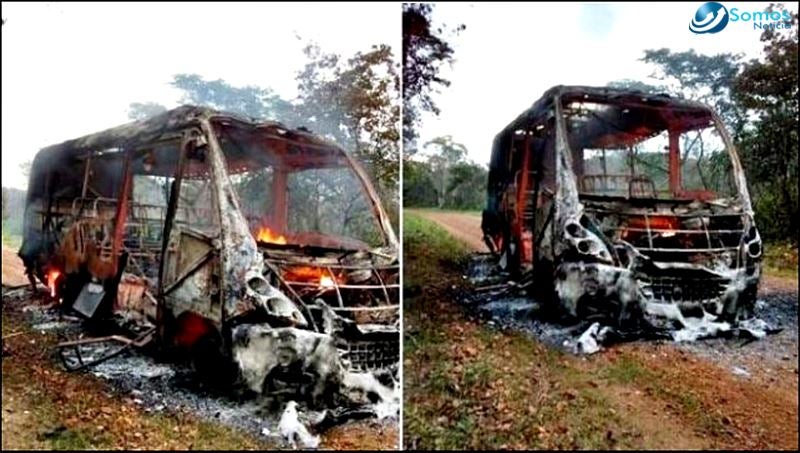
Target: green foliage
{"type": "Point", "coordinates": [445, 178]}
{"type": "Point", "coordinates": [418, 189]}
{"type": "Point", "coordinates": [467, 187]}
{"type": "Point", "coordinates": [769, 148]}
{"type": "Point", "coordinates": [251, 101]}
{"type": "Point", "coordinates": [422, 236]}
{"type": "Point", "coordinates": [329, 201]}
{"type": "Point", "coordinates": [13, 209]}
{"type": "Point", "coordinates": [758, 101]}
{"type": "Point", "coordinates": [780, 258]}
{"type": "Point", "coordinates": [356, 103]}
{"type": "Point", "coordinates": [144, 110]}
{"type": "Point", "coordinates": [425, 51]}
{"type": "Point", "coordinates": [706, 78]}
{"type": "Point", "coordinates": [353, 102]}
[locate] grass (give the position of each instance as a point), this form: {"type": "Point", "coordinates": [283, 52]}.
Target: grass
{"type": "Point", "coordinates": [13, 241]}
{"type": "Point", "coordinates": [780, 259]}
{"type": "Point", "coordinates": [75, 411]}
{"type": "Point", "coordinates": [469, 386]}
{"type": "Point", "coordinates": [427, 250]}
{"type": "Point", "coordinates": [626, 371]}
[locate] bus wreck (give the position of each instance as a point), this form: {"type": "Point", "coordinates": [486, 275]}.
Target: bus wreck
{"type": "Point", "coordinates": [260, 254]}
{"type": "Point", "coordinates": [616, 204]}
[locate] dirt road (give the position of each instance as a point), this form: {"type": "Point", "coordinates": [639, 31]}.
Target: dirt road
{"type": "Point", "coordinates": [464, 226]}
{"type": "Point", "coordinates": [13, 270]}
{"type": "Point", "coordinates": [712, 394]}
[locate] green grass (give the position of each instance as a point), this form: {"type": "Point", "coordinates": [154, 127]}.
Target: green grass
{"type": "Point", "coordinates": [478, 373]}
{"type": "Point", "coordinates": [13, 241]}
{"type": "Point", "coordinates": [447, 408]}
{"type": "Point", "coordinates": [71, 440]}
{"type": "Point", "coordinates": [780, 259]}
{"type": "Point", "coordinates": [427, 249]}
{"type": "Point", "coordinates": [626, 371]}
{"type": "Point", "coordinates": [422, 235]}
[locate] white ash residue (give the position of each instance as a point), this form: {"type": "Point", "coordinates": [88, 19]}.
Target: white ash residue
{"type": "Point", "coordinates": [506, 306]}
{"type": "Point", "coordinates": [158, 386]}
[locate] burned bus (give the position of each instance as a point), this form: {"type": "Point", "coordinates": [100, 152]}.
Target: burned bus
{"type": "Point", "coordinates": [613, 202]}
{"type": "Point", "coordinates": [248, 247]}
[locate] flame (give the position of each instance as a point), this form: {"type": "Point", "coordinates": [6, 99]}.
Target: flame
{"type": "Point", "coordinates": [664, 223]}
{"type": "Point", "coordinates": [267, 235]}
{"type": "Point", "coordinates": [326, 281]}
{"type": "Point", "coordinates": [311, 274]}
{"type": "Point", "coordinates": [52, 277]}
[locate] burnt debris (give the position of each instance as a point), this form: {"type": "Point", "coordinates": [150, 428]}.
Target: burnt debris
{"type": "Point", "coordinates": [258, 254]}
{"type": "Point", "coordinates": [620, 207]}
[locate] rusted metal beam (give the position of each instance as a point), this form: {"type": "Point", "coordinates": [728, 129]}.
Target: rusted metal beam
{"type": "Point", "coordinates": [122, 211]}
{"type": "Point", "coordinates": [674, 163]}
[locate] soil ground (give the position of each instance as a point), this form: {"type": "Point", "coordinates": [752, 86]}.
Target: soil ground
{"type": "Point", "coordinates": [469, 385]}
{"type": "Point", "coordinates": [45, 407]}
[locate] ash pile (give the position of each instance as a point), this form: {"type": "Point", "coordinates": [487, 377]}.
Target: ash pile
{"type": "Point", "coordinates": [292, 416]}
{"type": "Point", "coordinates": [505, 302]}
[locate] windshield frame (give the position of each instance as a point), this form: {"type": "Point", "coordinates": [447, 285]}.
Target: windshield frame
{"type": "Point", "coordinates": [739, 189]}
{"type": "Point", "coordinates": [300, 142]}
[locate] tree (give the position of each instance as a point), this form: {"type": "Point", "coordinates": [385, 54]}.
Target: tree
{"type": "Point", "coordinates": [630, 84]}
{"type": "Point", "coordinates": [418, 185]}
{"type": "Point", "coordinates": [144, 110]}
{"type": "Point", "coordinates": [251, 101]}
{"type": "Point", "coordinates": [355, 103]}
{"type": "Point", "coordinates": [424, 52]}
{"type": "Point", "coordinates": [443, 178]}
{"type": "Point", "coordinates": [705, 78]}
{"type": "Point", "coordinates": [467, 188]}
{"type": "Point", "coordinates": [444, 156]}
{"type": "Point", "coordinates": [769, 90]}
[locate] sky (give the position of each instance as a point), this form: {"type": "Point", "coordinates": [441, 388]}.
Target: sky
{"type": "Point", "coordinates": [510, 54]}
{"type": "Point", "coordinates": [73, 69]}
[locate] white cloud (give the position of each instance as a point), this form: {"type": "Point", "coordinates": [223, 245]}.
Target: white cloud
{"type": "Point", "coordinates": [73, 69]}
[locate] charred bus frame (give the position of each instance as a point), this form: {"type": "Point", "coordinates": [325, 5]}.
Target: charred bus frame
{"type": "Point", "coordinates": [199, 273]}
{"type": "Point", "coordinates": [613, 245]}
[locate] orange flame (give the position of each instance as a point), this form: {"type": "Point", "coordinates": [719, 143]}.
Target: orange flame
{"type": "Point", "coordinates": [52, 276]}
{"type": "Point", "coordinates": [310, 274]}
{"type": "Point", "coordinates": [664, 223]}
{"type": "Point", "coordinates": [326, 281]}
{"type": "Point", "coordinates": [266, 235]}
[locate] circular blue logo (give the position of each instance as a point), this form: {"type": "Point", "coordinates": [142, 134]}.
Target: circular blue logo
{"type": "Point", "coordinates": [711, 17]}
